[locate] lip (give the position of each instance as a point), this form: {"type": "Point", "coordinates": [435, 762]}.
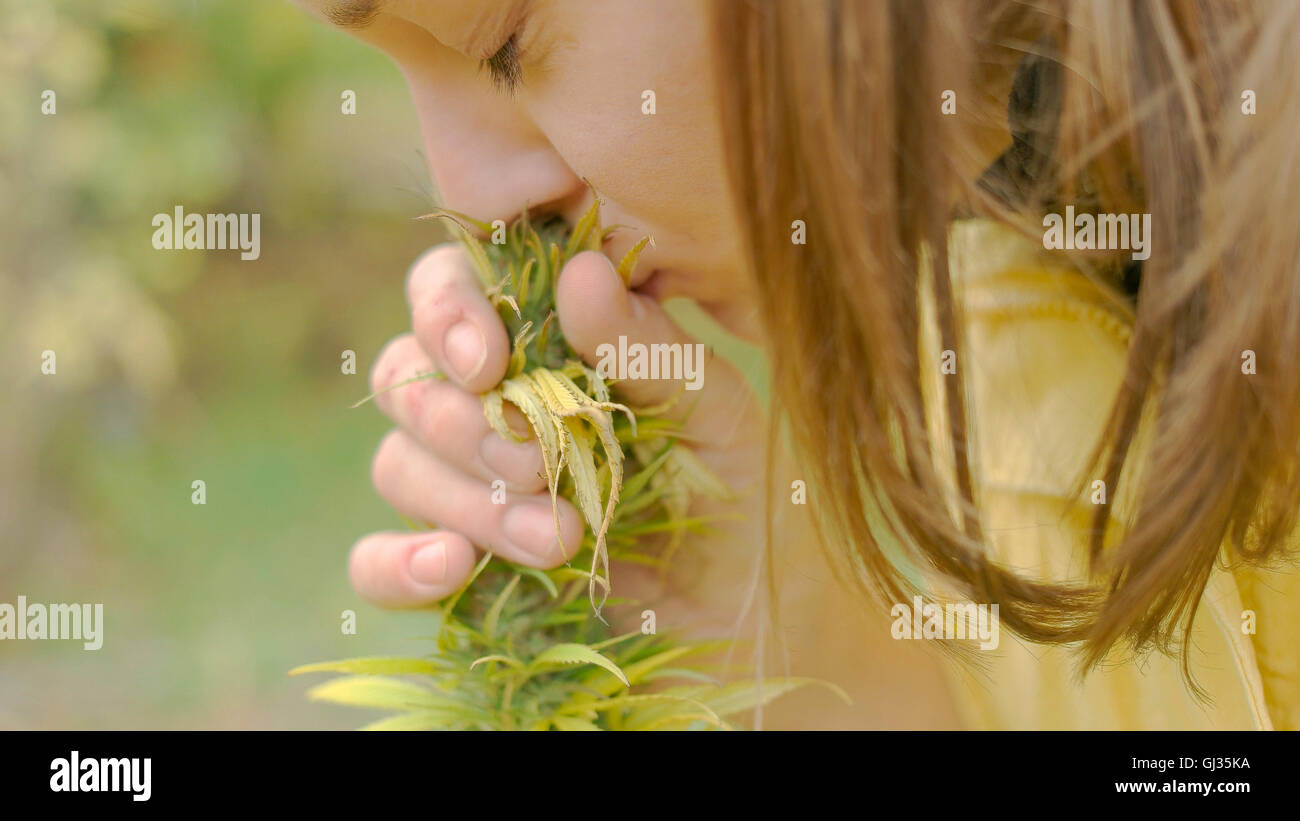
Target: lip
{"type": "Point", "coordinates": [641, 276]}
{"type": "Point", "coordinates": [650, 285]}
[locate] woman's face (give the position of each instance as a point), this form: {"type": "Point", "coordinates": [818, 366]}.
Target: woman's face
{"type": "Point", "coordinates": [581, 111]}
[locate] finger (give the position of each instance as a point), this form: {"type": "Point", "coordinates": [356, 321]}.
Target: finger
{"type": "Point", "coordinates": [519, 528]}
{"type": "Point", "coordinates": [453, 320]}
{"type": "Point", "coordinates": [410, 569]}
{"type": "Point", "coordinates": [450, 422]}
{"type": "Point", "coordinates": [595, 309]}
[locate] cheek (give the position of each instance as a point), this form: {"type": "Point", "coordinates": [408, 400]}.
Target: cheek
{"type": "Point", "coordinates": [662, 164]}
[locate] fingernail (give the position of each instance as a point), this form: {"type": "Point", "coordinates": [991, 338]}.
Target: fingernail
{"type": "Point", "coordinates": [531, 528]}
{"type": "Point", "coordinates": [465, 349]}
{"type": "Point", "coordinates": [428, 564]}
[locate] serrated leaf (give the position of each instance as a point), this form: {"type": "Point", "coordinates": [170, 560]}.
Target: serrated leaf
{"type": "Point", "coordinates": [577, 654]}
{"type": "Point", "coordinates": [516, 663]}
{"type": "Point", "coordinates": [494, 412]}
{"type": "Point", "coordinates": [636, 671]}
{"type": "Point", "coordinates": [522, 391]}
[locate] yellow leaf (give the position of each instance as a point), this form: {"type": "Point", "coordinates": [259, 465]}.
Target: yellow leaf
{"type": "Point", "coordinates": [375, 665]}
{"type": "Point", "coordinates": [376, 691]}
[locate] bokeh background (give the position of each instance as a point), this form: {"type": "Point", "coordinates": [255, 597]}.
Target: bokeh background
{"type": "Point", "coordinates": [174, 366]}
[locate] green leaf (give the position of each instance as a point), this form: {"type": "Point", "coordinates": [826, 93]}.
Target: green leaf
{"type": "Point", "coordinates": [610, 642]}
{"type": "Point", "coordinates": [420, 720]}
{"type": "Point", "coordinates": [628, 474]}
{"type": "Point", "coordinates": [673, 713]}
{"type": "Point", "coordinates": [691, 523]}
{"type": "Point", "coordinates": [516, 663]}
{"type": "Point", "coordinates": [451, 603]}
{"type": "Point", "coordinates": [686, 721]}
{"type": "Point", "coordinates": [572, 723]}
{"type": "Point", "coordinates": [638, 481]}
{"type": "Point", "coordinates": [685, 467]}
{"type": "Point", "coordinates": [541, 577]}
{"type": "Point", "coordinates": [680, 673]}
{"type": "Point", "coordinates": [625, 702]}
{"type": "Point", "coordinates": [637, 670]}
{"type": "Point", "coordinates": [494, 612]}
{"type": "Point", "coordinates": [577, 654]}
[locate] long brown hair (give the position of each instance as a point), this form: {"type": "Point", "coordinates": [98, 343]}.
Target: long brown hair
{"type": "Point", "coordinates": [832, 111]}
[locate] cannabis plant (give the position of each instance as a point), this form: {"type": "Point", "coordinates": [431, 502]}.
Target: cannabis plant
{"type": "Point", "coordinates": [521, 648]}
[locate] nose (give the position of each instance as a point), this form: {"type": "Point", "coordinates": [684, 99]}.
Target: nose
{"type": "Point", "coordinates": [487, 157]}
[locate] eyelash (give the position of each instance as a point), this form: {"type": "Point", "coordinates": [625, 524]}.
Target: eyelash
{"type": "Point", "coordinates": [504, 67]}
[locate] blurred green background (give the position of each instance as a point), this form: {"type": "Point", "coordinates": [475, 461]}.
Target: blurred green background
{"type": "Point", "coordinates": [174, 366]}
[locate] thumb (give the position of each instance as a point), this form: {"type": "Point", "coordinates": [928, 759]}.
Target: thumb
{"type": "Point", "coordinates": [631, 340]}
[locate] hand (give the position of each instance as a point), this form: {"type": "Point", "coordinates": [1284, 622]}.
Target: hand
{"type": "Point", "coordinates": [439, 465]}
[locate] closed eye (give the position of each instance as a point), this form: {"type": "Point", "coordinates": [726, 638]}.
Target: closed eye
{"type": "Point", "coordinates": [504, 67]}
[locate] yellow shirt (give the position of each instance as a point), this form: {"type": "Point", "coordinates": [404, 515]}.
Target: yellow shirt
{"type": "Point", "coordinates": [1044, 358]}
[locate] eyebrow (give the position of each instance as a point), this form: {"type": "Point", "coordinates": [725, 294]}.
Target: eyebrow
{"type": "Point", "coordinates": [353, 14]}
